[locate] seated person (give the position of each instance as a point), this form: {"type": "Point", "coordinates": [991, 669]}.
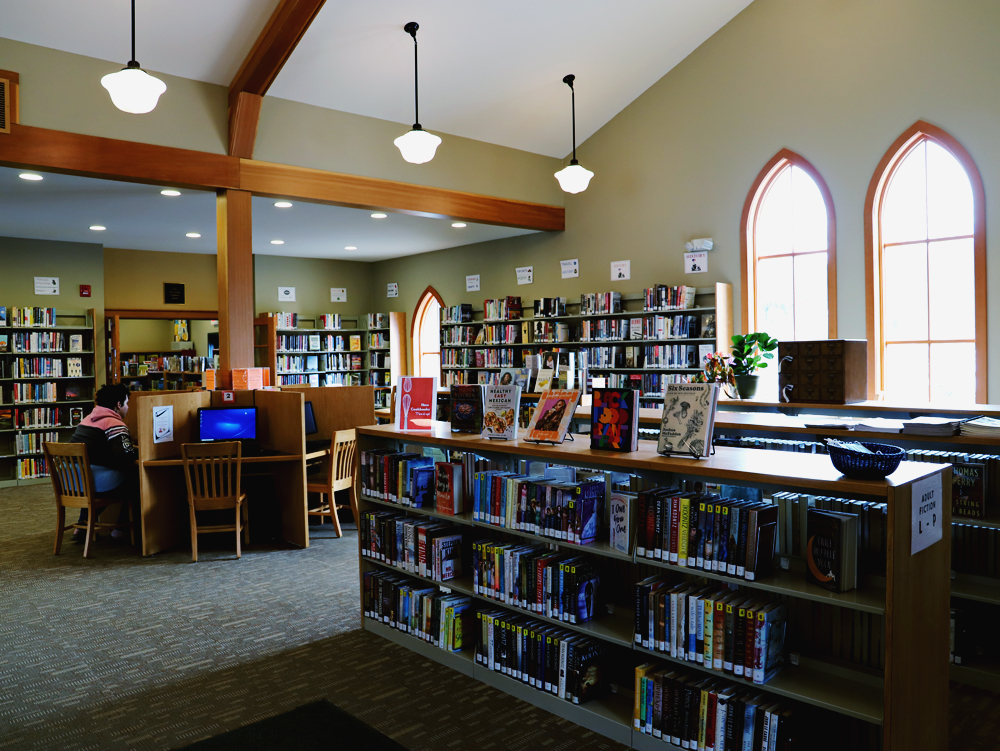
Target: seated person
{"type": "Point", "coordinates": [112, 454]}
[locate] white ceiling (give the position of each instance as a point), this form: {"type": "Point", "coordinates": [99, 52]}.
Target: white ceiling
{"type": "Point", "coordinates": [488, 71]}
{"type": "Point", "coordinates": [63, 207]}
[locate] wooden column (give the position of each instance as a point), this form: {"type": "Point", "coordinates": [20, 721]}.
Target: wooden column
{"type": "Point", "coordinates": [235, 271]}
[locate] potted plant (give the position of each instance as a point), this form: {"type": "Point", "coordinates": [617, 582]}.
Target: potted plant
{"type": "Point", "coordinates": [749, 353]}
{"type": "Point", "coordinates": [717, 369]}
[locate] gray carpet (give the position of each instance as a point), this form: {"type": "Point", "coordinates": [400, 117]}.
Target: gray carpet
{"type": "Point", "coordinates": [123, 652]}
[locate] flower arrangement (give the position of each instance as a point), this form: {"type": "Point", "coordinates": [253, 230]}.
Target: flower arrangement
{"type": "Point", "coordinates": [717, 368]}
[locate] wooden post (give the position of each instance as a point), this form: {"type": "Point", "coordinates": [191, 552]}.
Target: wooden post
{"type": "Point", "coordinates": [235, 271]}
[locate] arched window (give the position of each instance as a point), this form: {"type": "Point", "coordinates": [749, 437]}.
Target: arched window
{"type": "Point", "coordinates": [426, 334]}
{"type": "Point", "coordinates": [789, 258]}
{"type": "Point", "coordinates": [925, 243]}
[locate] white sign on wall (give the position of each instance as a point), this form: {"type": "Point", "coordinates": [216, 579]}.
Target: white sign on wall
{"type": "Point", "coordinates": [696, 263]}
{"type": "Point", "coordinates": [286, 294]}
{"type": "Point", "coordinates": [524, 274]}
{"type": "Point", "coordinates": [472, 283]}
{"type": "Point", "coordinates": [570, 268]}
{"type": "Point", "coordinates": [163, 424]}
{"type": "Point", "coordinates": [392, 289]}
{"type": "Point", "coordinates": [338, 294]}
{"type": "Point", "coordinates": [621, 270]}
{"type": "Point", "coordinates": [927, 513]}
{"type": "Point", "coordinates": [46, 285]}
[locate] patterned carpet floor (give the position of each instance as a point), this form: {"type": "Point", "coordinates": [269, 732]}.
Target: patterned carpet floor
{"type": "Point", "coordinates": [124, 652]}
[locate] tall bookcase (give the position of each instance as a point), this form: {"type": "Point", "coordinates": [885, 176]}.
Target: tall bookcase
{"type": "Point", "coordinates": [505, 342]}
{"type": "Point", "coordinates": [36, 405]}
{"type": "Point", "coordinates": [386, 341]}
{"type": "Point", "coordinates": [903, 705]}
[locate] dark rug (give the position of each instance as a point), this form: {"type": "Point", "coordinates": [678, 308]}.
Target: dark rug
{"type": "Point", "coordinates": [319, 726]}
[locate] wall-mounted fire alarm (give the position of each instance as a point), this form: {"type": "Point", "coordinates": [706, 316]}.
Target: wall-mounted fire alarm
{"type": "Point", "coordinates": [84, 290]}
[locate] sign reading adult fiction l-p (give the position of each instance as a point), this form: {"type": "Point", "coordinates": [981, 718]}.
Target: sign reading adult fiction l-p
{"type": "Point", "coordinates": [926, 519]}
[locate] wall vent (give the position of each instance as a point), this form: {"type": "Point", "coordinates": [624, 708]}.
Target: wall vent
{"type": "Point", "coordinates": [8, 99]}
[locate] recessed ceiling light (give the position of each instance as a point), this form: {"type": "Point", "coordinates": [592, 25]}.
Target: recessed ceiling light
{"type": "Point", "coordinates": [458, 225]}
{"type": "Point", "coordinates": [98, 227]}
{"type": "Point", "coordinates": [30, 176]}
{"type": "Point", "coordinates": [192, 235]}
{"type": "Point", "coordinates": [283, 204]}
{"type": "Point", "coordinates": [350, 247]}
{"type": "Point", "coordinates": [170, 192]}
{"type": "Point", "coordinates": [379, 215]}
{"type": "Point", "coordinates": [277, 242]}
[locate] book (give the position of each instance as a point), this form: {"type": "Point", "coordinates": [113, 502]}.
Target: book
{"type": "Point", "coordinates": [688, 418]}
{"type": "Point", "coordinates": [3, 342]}
{"type": "Point", "coordinates": [620, 506]}
{"type": "Point", "coordinates": [545, 377]}
{"type": "Point", "coordinates": [6, 418]}
{"type": "Point", "coordinates": [467, 408]}
{"type": "Point", "coordinates": [707, 325]}
{"type": "Point", "coordinates": [356, 343]}
{"type": "Point", "coordinates": [614, 420]}
{"type": "Point", "coordinates": [415, 403]}
{"type": "Point", "coordinates": [76, 343]}
{"type": "Point", "coordinates": [552, 416]}
{"type": "Point", "coordinates": [832, 550]}
{"type": "Point", "coordinates": [968, 489]}
{"type": "Point", "coordinates": [448, 489]}
{"type": "Point", "coordinates": [314, 345]}
{"type": "Point", "coordinates": [518, 376]}
{"type": "Point", "coordinates": [500, 412]}
{"type": "Point", "coordinates": [422, 491]}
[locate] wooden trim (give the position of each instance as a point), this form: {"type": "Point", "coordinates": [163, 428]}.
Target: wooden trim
{"type": "Point", "coordinates": [13, 97]}
{"type": "Point", "coordinates": [774, 166]}
{"type": "Point", "coordinates": [112, 159]}
{"type": "Point", "coordinates": [244, 114]}
{"type": "Point", "coordinates": [194, 315]}
{"type": "Point", "coordinates": [274, 46]}
{"type": "Point", "coordinates": [917, 132]}
{"type": "Point", "coordinates": [235, 272]}
{"type": "Point", "coordinates": [353, 191]}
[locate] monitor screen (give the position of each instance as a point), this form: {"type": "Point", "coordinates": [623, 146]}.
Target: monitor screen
{"type": "Point", "coordinates": [310, 419]}
{"type": "Point", "coordinates": [228, 424]}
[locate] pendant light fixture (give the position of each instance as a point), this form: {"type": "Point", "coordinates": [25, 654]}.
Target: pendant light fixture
{"type": "Point", "coordinates": [574, 178]}
{"type": "Point", "coordinates": [417, 146]}
{"type": "Point", "coordinates": [132, 89]}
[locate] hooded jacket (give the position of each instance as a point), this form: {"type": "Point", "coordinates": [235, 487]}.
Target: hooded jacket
{"type": "Point", "coordinates": [107, 439]}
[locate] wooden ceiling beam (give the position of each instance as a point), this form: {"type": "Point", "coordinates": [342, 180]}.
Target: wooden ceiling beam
{"type": "Point", "coordinates": [289, 22]}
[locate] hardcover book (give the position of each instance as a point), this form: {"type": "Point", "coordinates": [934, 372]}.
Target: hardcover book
{"type": "Point", "coordinates": [314, 343]}
{"type": "Point", "coordinates": [422, 491]}
{"type": "Point", "coordinates": [832, 550]}
{"type": "Point", "coordinates": [3, 342]}
{"type": "Point", "coordinates": [545, 377]}
{"type": "Point", "coordinates": [76, 343]}
{"type": "Point", "coordinates": [552, 416]}
{"type": "Point", "coordinates": [415, 403]}
{"type": "Point", "coordinates": [614, 424]}
{"type": "Point", "coordinates": [449, 497]}
{"type": "Point", "coordinates": [968, 485]}
{"type": "Point", "coordinates": [620, 506]}
{"type": "Point", "coordinates": [688, 418]}
{"type": "Point", "coordinates": [467, 408]}
{"type": "Point", "coordinates": [356, 343]}
{"type": "Point", "coordinates": [500, 413]}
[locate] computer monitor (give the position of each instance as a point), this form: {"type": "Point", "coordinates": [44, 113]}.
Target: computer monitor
{"type": "Point", "coordinates": [310, 419]}
{"type": "Point", "coordinates": [227, 424]}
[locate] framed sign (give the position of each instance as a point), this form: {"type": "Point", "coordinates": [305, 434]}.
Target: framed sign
{"type": "Point", "coordinates": [173, 294]}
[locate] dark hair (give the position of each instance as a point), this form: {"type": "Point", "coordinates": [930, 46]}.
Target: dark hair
{"type": "Point", "coordinates": [111, 395]}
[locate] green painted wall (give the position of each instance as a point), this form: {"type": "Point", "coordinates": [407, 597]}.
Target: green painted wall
{"type": "Point", "coordinates": [133, 280]}
{"type": "Point", "coordinates": [312, 279]}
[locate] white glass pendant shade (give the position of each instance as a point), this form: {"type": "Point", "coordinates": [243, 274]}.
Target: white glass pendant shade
{"type": "Point", "coordinates": [417, 146]}
{"type": "Point", "coordinates": [133, 90]}
{"type": "Point", "coordinates": [574, 178]}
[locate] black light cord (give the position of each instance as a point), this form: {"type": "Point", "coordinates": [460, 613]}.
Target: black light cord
{"type": "Point", "coordinates": [133, 33]}
{"type": "Point", "coordinates": [568, 80]}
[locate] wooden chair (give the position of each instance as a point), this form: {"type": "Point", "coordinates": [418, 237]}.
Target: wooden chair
{"type": "Point", "coordinates": [212, 473]}
{"type": "Point", "coordinates": [73, 483]}
{"type": "Point", "coordinates": [339, 475]}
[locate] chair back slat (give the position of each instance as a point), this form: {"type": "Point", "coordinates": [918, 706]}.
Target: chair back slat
{"type": "Point", "coordinates": [212, 473]}
{"type": "Point", "coordinates": [345, 443]}
{"type": "Point", "coordinates": [69, 467]}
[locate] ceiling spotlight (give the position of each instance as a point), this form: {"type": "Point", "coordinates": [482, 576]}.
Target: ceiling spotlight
{"type": "Point", "coordinates": [277, 242]}
{"type": "Point", "coordinates": [98, 227]}
{"type": "Point", "coordinates": [459, 225]}
{"type": "Point", "coordinates": [350, 247]}
{"type": "Point", "coordinates": [283, 204]}
{"type": "Point", "coordinates": [574, 178]}
{"type": "Point", "coordinates": [417, 146]}
{"type": "Point", "coordinates": [132, 89]}
{"type": "Point", "coordinates": [30, 176]}
{"type": "Point", "coordinates": [170, 192]}
{"type": "Point", "coordinates": [378, 215]}
{"type": "Point", "coordinates": [193, 235]}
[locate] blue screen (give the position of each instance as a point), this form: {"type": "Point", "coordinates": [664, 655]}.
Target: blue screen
{"type": "Point", "coordinates": [310, 419]}
{"type": "Point", "coordinates": [232, 424]}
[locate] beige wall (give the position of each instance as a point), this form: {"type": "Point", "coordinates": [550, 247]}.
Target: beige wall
{"type": "Point", "coordinates": [145, 335]}
{"type": "Point", "coordinates": [133, 280]}
{"type": "Point", "coordinates": [312, 279]}
{"type": "Point", "coordinates": [836, 82]}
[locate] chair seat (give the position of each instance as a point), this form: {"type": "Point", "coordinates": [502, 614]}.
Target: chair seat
{"type": "Point", "coordinates": [317, 483]}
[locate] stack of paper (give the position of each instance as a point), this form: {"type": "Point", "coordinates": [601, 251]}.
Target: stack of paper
{"type": "Point", "coordinates": [879, 425]}
{"type": "Point", "coordinates": [931, 425]}
{"type": "Point", "coordinates": [982, 426]}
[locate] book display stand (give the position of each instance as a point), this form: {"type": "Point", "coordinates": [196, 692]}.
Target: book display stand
{"type": "Point", "coordinates": [567, 437]}
{"type": "Point", "coordinates": [905, 675]}
{"type": "Point", "coordinates": [687, 454]}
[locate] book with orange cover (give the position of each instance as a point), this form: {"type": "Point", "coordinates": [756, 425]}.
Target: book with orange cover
{"type": "Point", "coordinates": [552, 416]}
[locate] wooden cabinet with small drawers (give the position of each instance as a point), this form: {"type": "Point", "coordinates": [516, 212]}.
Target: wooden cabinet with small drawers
{"type": "Point", "coordinates": [834, 371]}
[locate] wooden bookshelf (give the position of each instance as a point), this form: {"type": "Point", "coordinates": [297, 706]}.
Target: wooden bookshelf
{"type": "Point", "coordinates": [18, 442]}
{"type": "Point", "coordinates": [912, 600]}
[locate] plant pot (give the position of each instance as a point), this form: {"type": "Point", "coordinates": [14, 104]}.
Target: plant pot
{"type": "Point", "coordinates": [746, 386]}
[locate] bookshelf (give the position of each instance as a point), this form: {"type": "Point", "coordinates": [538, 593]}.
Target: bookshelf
{"type": "Point", "coordinates": [613, 349]}
{"type": "Point", "coordinates": [386, 341]}
{"type": "Point", "coordinates": [911, 601]}
{"type": "Point", "coordinates": [42, 395]}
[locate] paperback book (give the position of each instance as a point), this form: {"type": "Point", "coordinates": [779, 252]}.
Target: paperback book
{"type": "Point", "coordinates": [832, 550]}
{"type": "Point", "coordinates": [688, 418]}
{"type": "Point", "coordinates": [467, 408]}
{"type": "Point", "coordinates": [500, 413]}
{"type": "Point", "coordinates": [614, 423]}
{"type": "Point", "coordinates": [552, 416]}
{"type": "Point", "coordinates": [415, 405]}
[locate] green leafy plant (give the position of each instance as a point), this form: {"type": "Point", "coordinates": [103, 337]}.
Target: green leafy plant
{"type": "Point", "coordinates": [750, 351]}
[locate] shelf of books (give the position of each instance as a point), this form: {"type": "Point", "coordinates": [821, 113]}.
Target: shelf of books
{"type": "Point", "coordinates": [665, 602]}
{"type": "Point", "coordinates": [640, 341]}
{"type": "Point", "coordinates": [47, 385]}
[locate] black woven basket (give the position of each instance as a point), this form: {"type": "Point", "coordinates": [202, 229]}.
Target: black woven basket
{"type": "Point", "coordinates": [860, 466]}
